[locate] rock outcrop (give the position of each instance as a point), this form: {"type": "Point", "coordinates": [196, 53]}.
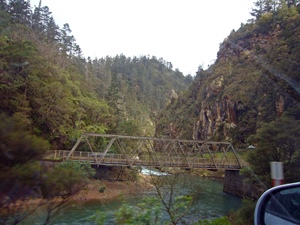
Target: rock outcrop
{"type": "Point", "coordinates": [249, 84]}
{"type": "Point", "coordinates": [211, 118]}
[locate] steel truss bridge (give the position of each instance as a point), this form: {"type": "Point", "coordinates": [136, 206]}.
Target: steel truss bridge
{"type": "Point", "coordinates": [119, 150]}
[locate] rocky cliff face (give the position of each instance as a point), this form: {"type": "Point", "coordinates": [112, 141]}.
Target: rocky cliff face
{"type": "Point", "coordinates": [243, 89]}
{"type": "Point", "coordinates": [213, 117]}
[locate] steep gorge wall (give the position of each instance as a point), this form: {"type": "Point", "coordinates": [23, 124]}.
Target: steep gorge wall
{"type": "Point", "coordinates": [221, 117]}
{"type": "Point", "coordinates": [240, 91]}
{"type": "Point", "coordinates": [212, 117]}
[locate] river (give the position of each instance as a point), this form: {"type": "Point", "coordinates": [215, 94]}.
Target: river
{"type": "Point", "coordinates": [210, 203]}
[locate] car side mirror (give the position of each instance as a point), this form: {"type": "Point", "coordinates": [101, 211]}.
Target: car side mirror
{"type": "Point", "coordinates": [279, 205]}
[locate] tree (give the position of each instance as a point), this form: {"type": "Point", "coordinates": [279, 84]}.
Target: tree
{"type": "Point", "coordinates": [20, 11]}
{"type": "Point", "coordinates": [129, 127]}
{"type": "Point", "coordinates": [276, 141]}
{"type": "Point", "coordinates": [244, 215]}
{"type": "Point", "coordinates": [42, 20]}
{"type": "Point", "coordinates": [23, 177]}
{"type": "Point", "coordinates": [53, 106]}
{"type": "Point", "coordinates": [292, 3]}
{"type": "Point", "coordinates": [264, 6]}
{"type": "Point", "coordinates": [168, 204]}
{"type": "Point", "coordinates": [36, 18]}
{"type": "Point", "coordinates": [146, 212]}
{"type": "Point", "coordinates": [258, 10]}
{"type": "Point", "coordinates": [67, 40]}
{"type": "Point", "coordinates": [44, 25]}
{"type": "Point", "coordinates": [3, 5]}
{"type": "Point", "coordinates": [59, 185]}
{"type": "Point", "coordinates": [52, 32]}
{"type": "Point", "coordinates": [169, 193]}
{"type": "Point", "coordinates": [19, 168]}
{"type": "Point", "coordinates": [219, 221]}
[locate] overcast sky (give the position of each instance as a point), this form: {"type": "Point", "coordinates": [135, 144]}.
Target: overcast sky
{"type": "Point", "coordinates": [186, 33]}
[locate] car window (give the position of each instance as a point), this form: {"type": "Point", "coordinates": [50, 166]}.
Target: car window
{"type": "Point", "coordinates": [284, 205]}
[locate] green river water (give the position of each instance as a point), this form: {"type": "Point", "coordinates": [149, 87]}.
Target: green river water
{"type": "Point", "coordinates": [210, 203]}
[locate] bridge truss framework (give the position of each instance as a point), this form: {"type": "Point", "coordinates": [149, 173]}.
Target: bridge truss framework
{"type": "Point", "coordinates": [120, 150]}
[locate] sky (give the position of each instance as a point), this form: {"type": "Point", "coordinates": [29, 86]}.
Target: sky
{"type": "Point", "coordinates": [186, 33]}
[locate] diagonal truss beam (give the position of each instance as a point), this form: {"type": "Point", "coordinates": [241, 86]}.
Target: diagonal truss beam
{"type": "Point", "coordinates": [160, 152]}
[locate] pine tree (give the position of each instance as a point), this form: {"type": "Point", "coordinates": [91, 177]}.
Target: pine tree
{"type": "Point", "coordinates": [36, 18]}
{"type": "Point", "coordinates": [44, 24]}
{"type": "Point", "coordinates": [292, 3]}
{"type": "Point", "coordinates": [264, 6]}
{"type": "Point", "coordinates": [67, 40]}
{"type": "Point", "coordinates": [3, 5]}
{"type": "Point", "coordinates": [52, 32]}
{"type": "Point", "coordinates": [20, 11]}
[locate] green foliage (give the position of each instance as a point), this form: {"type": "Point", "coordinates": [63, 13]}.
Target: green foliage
{"type": "Point", "coordinates": [60, 95]}
{"type": "Point", "coordinates": [244, 215]}
{"type": "Point", "coordinates": [134, 174]}
{"type": "Point", "coordinates": [252, 178]}
{"type": "Point", "coordinates": [140, 87]}
{"type": "Point", "coordinates": [131, 128]}
{"type": "Point", "coordinates": [173, 201]}
{"type": "Point", "coordinates": [99, 217]}
{"type": "Point", "coordinates": [146, 212]}
{"type": "Point", "coordinates": [50, 100]}
{"type": "Point", "coordinates": [166, 206]}
{"type": "Point", "coordinates": [66, 179]}
{"type": "Point", "coordinates": [223, 103]}
{"type": "Point", "coordinates": [102, 189]}
{"type": "Point", "coordinates": [18, 145]}
{"type": "Point", "coordinates": [181, 203]}
{"type": "Point", "coordinates": [276, 141]}
{"type": "Point", "coordinates": [219, 221]}
{"type": "Point", "coordinates": [60, 184]}
{"type": "Point", "coordinates": [49, 90]}
{"type": "Point", "coordinates": [150, 212]}
{"type": "Point", "coordinates": [19, 167]}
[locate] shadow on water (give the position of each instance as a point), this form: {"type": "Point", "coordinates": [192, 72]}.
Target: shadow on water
{"type": "Point", "coordinates": [209, 202]}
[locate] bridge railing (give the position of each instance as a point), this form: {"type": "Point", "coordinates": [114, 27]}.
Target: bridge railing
{"type": "Point", "coordinates": [142, 160]}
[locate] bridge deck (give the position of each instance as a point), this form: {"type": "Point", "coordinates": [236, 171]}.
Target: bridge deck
{"type": "Point", "coordinates": [151, 152]}
{"type": "Point", "coordinates": [143, 160]}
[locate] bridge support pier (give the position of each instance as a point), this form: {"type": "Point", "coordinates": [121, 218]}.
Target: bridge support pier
{"type": "Point", "coordinates": [233, 184]}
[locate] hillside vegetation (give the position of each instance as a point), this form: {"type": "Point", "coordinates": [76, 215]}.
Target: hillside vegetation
{"type": "Point", "coordinates": [47, 83]}
{"type": "Point", "coordinates": [50, 94]}
{"type": "Point", "coordinates": [255, 80]}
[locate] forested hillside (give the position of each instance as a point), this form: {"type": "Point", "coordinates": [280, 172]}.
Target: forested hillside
{"type": "Point", "coordinates": [47, 83]}
{"type": "Point", "coordinates": [254, 81]}
{"type": "Point", "coordinates": [50, 93]}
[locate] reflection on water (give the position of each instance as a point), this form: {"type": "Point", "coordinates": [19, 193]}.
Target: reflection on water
{"type": "Point", "coordinates": [210, 202]}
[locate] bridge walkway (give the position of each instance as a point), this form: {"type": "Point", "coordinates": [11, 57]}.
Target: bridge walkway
{"type": "Point", "coordinates": [120, 150]}
{"type": "Point", "coordinates": [142, 160]}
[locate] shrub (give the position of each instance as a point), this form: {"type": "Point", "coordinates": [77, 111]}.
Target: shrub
{"type": "Point", "coordinates": [102, 189]}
